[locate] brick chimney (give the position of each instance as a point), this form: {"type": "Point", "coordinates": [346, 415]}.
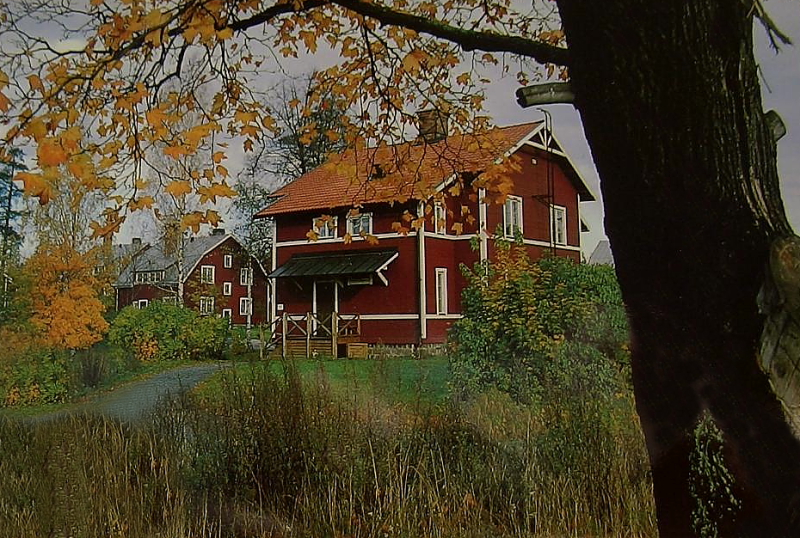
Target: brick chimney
{"type": "Point", "coordinates": [432, 125]}
{"type": "Point", "coordinates": [218, 231]}
{"type": "Point", "coordinates": [136, 241]}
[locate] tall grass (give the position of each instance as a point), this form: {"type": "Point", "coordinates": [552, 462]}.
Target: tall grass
{"type": "Point", "coordinates": [271, 455]}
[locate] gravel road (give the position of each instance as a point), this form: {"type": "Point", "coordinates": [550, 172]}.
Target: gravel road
{"type": "Point", "coordinates": [137, 400]}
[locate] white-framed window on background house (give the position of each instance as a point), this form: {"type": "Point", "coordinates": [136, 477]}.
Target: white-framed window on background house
{"type": "Point", "coordinates": [439, 218]}
{"type": "Point", "coordinates": [441, 290]}
{"type": "Point", "coordinates": [512, 216]}
{"type": "Point", "coordinates": [227, 313]}
{"type": "Point", "coordinates": [245, 306]}
{"type": "Point", "coordinates": [325, 228]}
{"type": "Point", "coordinates": [227, 288]}
{"type": "Point", "coordinates": [360, 225]}
{"type": "Point", "coordinates": [141, 303]}
{"type": "Point", "coordinates": [206, 305]}
{"type": "Point", "coordinates": [245, 276]}
{"type": "Point", "coordinates": [227, 261]}
{"type": "Point", "coordinates": [206, 274]}
{"type": "Point", "coordinates": [558, 225]}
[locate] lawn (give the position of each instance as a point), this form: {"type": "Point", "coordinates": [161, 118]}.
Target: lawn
{"type": "Point", "coordinates": [403, 381]}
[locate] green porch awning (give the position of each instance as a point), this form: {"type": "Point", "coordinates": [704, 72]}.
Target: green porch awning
{"type": "Point", "coordinates": [335, 263]}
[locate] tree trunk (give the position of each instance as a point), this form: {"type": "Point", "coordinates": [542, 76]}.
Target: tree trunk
{"type": "Point", "coordinates": [669, 97]}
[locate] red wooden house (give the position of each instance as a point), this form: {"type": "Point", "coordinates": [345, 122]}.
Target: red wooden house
{"type": "Point", "coordinates": [405, 288]}
{"type": "Point", "coordinates": [219, 278]}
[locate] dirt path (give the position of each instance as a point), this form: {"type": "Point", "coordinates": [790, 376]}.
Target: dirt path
{"type": "Point", "coordinates": [137, 400]}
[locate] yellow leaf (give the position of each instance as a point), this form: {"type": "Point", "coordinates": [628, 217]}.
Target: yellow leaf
{"type": "Point", "coordinates": [3, 80]}
{"type": "Point", "coordinates": [222, 171]}
{"type": "Point", "coordinates": [177, 151]}
{"type": "Point", "coordinates": [5, 103]}
{"type": "Point", "coordinates": [178, 188]}
{"type": "Point", "coordinates": [218, 157]}
{"type": "Point", "coordinates": [225, 33]}
{"type": "Point", "coordinates": [35, 83]}
{"type": "Point", "coordinates": [193, 221]}
{"type": "Point", "coordinates": [212, 218]}
{"type": "Point", "coordinates": [142, 203]}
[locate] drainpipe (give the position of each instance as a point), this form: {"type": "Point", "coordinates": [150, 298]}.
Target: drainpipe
{"type": "Point", "coordinates": [423, 306]}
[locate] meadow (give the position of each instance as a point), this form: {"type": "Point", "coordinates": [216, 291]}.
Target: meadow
{"type": "Point", "coordinates": [331, 449]}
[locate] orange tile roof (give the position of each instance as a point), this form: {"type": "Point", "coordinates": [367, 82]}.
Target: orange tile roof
{"type": "Point", "coordinates": [413, 170]}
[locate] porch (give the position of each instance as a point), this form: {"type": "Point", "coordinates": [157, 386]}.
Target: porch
{"type": "Point", "coordinates": [310, 334]}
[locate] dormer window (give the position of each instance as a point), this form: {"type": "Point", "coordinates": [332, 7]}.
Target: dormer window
{"type": "Point", "coordinates": [326, 228]}
{"type": "Point", "coordinates": [360, 225]}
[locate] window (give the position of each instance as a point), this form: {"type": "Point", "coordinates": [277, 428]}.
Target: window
{"type": "Point", "coordinates": [558, 225]}
{"type": "Point", "coordinates": [512, 216]}
{"type": "Point", "coordinates": [326, 228]}
{"type": "Point", "coordinates": [147, 277]}
{"type": "Point", "coordinates": [365, 280]}
{"type": "Point", "coordinates": [206, 274]}
{"type": "Point", "coordinates": [441, 290]}
{"type": "Point", "coordinates": [246, 276]}
{"type": "Point", "coordinates": [141, 303]}
{"type": "Point", "coordinates": [360, 225]}
{"type": "Point", "coordinates": [227, 261]}
{"type": "Point", "coordinates": [170, 299]}
{"type": "Point", "coordinates": [227, 313]}
{"type": "Point", "coordinates": [439, 218]}
{"type": "Point", "coordinates": [226, 288]}
{"type": "Point", "coordinates": [206, 305]}
{"type": "Point", "coordinates": [245, 306]}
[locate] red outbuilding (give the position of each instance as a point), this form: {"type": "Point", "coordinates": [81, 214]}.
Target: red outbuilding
{"type": "Point", "coordinates": [357, 258]}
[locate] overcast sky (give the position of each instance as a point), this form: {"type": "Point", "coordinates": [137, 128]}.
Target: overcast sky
{"type": "Point", "coordinates": [781, 92]}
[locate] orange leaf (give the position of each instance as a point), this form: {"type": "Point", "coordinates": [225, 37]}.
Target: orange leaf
{"type": "Point", "coordinates": [51, 153]}
{"type": "Point", "coordinates": [178, 188]}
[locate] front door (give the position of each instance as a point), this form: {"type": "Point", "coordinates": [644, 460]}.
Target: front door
{"type": "Point", "coordinates": [326, 305]}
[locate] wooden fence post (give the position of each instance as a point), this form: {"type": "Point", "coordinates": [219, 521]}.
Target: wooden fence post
{"type": "Point", "coordinates": [308, 334]}
{"type": "Point", "coordinates": [334, 334]}
{"type": "Point", "coordinates": [284, 328]}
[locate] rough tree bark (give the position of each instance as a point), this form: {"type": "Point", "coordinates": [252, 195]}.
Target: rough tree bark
{"type": "Point", "coordinates": [669, 97]}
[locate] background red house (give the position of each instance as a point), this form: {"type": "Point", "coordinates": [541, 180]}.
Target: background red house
{"type": "Point", "coordinates": [219, 278]}
{"type": "Point", "coordinates": [406, 287]}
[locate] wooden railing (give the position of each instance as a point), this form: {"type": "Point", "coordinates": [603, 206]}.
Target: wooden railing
{"type": "Point", "coordinates": [330, 329]}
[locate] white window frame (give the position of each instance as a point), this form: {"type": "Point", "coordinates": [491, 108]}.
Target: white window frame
{"type": "Point", "coordinates": [441, 290]}
{"type": "Point", "coordinates": [227, 288]}
{"type": "Point", "coordinates": [558, 230]}
{"type": "Point", "coordinates": [206, 305]}
{"type": "Point", "coordinates": [246, 276]}
{"type": "Point", "coordinates": [227, 313]}
{"type": "Point", "coordinates": [245, 306]}
{"type": "Point", "coordinates": [227, 261]}
{"type": "Point", "coordinates": [142, 303]}
{"type": "Point", "coordinates": [360, 218]}
{"type": "Point", "coordinates": [439, 218]}
{"type": "Point", "coordinates": [512, 211]}
{"type": "Point", "coordinates": [326, 230]}
{"type": "Point", "coordinates": [203, 275]}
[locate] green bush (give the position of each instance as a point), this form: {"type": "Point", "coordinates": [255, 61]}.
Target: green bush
{"type": "Point", "coordinates": [168, 332]}
{"type": "Point", "coordinates": [37, 377]}
{"type": "Point", "coordinates": [528, 326]}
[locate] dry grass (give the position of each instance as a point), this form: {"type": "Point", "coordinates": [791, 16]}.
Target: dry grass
{"type": "Point", "coordinates": [272, 456]}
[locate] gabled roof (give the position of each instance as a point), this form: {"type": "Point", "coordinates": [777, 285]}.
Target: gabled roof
{"type": "Point", "coordinates": [345, 180]}
{"type": "Point", "coordinates": [155, 259]}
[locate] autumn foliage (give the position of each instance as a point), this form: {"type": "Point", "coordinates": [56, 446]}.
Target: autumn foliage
{"type": "Point", "coordinates": [64, 302]}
